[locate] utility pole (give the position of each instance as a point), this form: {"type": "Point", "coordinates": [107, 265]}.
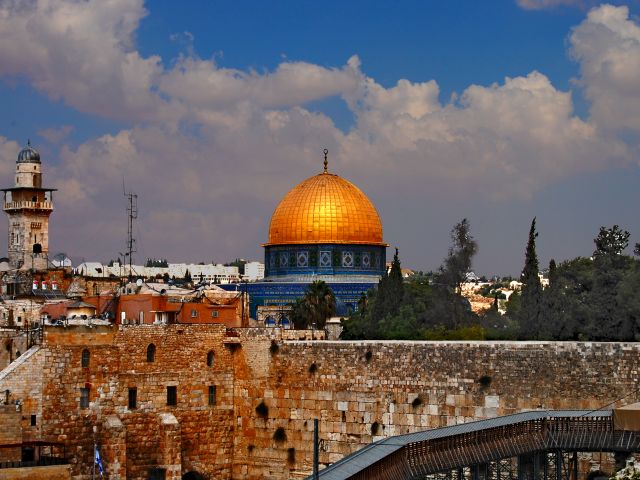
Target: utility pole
{"type": "Point", "coordinates": [132, 214]}
{"type": "Point", "coordinates": [316, 449]}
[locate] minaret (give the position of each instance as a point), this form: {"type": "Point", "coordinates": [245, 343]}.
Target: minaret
{"type": "Point", "coordinates": [28, 206]}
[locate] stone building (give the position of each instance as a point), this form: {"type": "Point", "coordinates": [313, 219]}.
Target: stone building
{"type": "Point", "coordinates": [28, 205]}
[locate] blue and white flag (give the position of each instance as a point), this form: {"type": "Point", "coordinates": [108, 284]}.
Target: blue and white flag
{"type": "Point", "coordinates": [98, 461]}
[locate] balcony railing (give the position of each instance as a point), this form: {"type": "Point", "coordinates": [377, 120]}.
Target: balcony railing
{"type": "Point", "coordinates": [28, 205]}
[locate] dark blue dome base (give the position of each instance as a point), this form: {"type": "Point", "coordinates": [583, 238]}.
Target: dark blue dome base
{"type": "Point", "coordinates": [284, 294]}
{"type": "Point", "coordinates": [323, 260]}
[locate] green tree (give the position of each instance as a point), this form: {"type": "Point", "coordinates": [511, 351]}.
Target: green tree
{"type": "Point", "coordinates": [390, 292]}
{"type": "Point", "coordinates": [453, 273]}
{"type": "Point", "coordinates": [187, 276]}
{"type": "Point", "coordinates": [629, 300]}
{"type": "Point", "coordinates": [553, 308]}
{"type": "Point", "coordinates": [529, 316]}
{"type": "Point", "coordinates": [573, 283]}
{"type": "Point", "coordinates": [455, 267]}
{"type": "Point", "coordinates": [610, 266]}
{"type": "Point", "coordinates": [611, 242]}
{"type": "Point", "coordinates": [317, 305]}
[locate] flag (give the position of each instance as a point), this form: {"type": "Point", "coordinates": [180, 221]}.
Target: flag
{"type": "Point", "coordinates": [98, 461]}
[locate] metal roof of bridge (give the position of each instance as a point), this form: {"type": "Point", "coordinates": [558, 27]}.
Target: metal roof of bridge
{"type": "Point", "coordinates": [374, 452]}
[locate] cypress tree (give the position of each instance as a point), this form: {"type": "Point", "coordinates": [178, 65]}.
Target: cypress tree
{"type": "Point", "coordinates": [395, 287]}
{"type": "Point", "coordinates": [531, 302]}
{"type": "Point", "coordinates": [388, 297]}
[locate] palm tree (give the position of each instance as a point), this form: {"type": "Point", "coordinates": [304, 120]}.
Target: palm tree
{"type": "Point", "coordinates": [318, 304]}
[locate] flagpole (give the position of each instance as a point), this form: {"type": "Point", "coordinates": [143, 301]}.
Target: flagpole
{"type": "Point", "coordinates": [95, 448]}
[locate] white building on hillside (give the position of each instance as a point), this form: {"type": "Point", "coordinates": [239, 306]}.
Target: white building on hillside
{"type": "Point", "coordinates": [253, 271]}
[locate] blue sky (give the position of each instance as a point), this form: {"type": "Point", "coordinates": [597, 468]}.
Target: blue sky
{"type": "Point", "coordinates": [211, 111]}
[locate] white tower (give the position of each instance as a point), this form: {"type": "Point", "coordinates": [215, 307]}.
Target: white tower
{"type": "Point", "coordinates": [28, 206]}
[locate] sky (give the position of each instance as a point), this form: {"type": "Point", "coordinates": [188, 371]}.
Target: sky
{"type": "Point", "coordinates": [211, 111]}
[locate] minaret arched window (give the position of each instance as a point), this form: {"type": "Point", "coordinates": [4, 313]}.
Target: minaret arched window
{"type": "Point", "coordinates": [86, 356]}
{"type": "Point", "coordinates": [151, 353]}
{"type": "Point", "coordinates": [210, 358]}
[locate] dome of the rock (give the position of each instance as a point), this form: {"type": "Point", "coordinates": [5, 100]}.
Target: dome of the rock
{"type": "Point", "coordinates": [325, 208]}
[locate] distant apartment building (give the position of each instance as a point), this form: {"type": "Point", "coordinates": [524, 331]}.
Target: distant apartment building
{"type": "Point", "coordinates": [253, 271]}
{"type": "Point", "coordinates": [209, 273]}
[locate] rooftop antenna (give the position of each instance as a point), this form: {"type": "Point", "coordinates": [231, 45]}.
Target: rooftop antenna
{"type": "Point", "coordinates": [132, 214]}
{"type": "Point", "coordinates": [326, 162]}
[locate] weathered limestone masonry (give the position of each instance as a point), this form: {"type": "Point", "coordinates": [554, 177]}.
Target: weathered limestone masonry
{"type": "Point", "coordinates": [200, 436]}
{"type": "Point", "coordinates": [23, 379]}
{"type": "Point", "coordinates": [10, 431]}
{"type": "Point", "coordinates": [361, 391]}
{"type": "Point", "coordinates": [270, 385]}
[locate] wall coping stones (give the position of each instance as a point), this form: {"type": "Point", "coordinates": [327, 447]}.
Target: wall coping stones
{"type": "Point", "coordinates": [19, 361]}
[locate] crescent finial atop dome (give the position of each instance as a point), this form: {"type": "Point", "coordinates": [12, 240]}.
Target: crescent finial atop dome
{"type": "Point", "coordinates": [326, 162]}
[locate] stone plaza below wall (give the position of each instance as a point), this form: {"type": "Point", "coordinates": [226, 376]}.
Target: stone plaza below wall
{"type": "Point", "coordinates": [270, 385]}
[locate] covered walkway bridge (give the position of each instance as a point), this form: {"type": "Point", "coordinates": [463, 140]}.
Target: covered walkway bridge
{"type": "Point", "coordinates": [525, 446]}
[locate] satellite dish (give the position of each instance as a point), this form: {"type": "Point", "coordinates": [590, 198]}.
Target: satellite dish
{"type": "Point", "coordinates": [139, 282]}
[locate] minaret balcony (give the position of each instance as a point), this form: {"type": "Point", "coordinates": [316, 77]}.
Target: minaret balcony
{"type": "Point", "coordinates": [9, 206]}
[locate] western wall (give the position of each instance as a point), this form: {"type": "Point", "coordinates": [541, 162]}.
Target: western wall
{"type": "Point", "coordinates": [271, 384]}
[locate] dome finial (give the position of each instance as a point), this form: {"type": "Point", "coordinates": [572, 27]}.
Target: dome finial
{"type": "Point", "coordinates": [326, 162]}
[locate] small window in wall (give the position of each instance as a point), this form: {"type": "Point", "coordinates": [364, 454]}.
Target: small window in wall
{"type": "Point", "coordinates": [151, 353]}
{"type": "Point", "coordinates": [215, 313]}
{"type": "Point", "coordinates": [85, 358]}
{"type": "Point", "coordinates": [210, 358]}
{"type": "Point", "coordinates": [172, 396]}
{"type": "Point", "coordinates": [157, 474]}
{"type": "Point", "coordinates": [33, 420]}
{"type": "Point", "coordinates": [84, 397]}
{"type": "Point", "coordinates": [212, 395]}
{"type": "Point", "coordinates": [194, 313]}
{"type": "Point", "coordinates": [133, 398]}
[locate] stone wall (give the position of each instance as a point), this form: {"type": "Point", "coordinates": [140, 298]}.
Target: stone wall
{"type": "Point", "coordinates": [269, 389]}
{"type": "Point", "coordinates": [23, 378]}
{"type": "Point", "coordinates": [11, 432]}
{"type": "Point", "coordinates": [13, 343]}
{"type": "Point", "coordinates": [362, 391]}
{"type": "Point", "coordinates": [53, 472]}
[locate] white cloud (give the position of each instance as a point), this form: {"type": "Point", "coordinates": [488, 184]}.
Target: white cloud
{"type": "Point", "coordinates": [203, 86]}
{"type": "Point", "coordinates": [82, 52]}
{"type": "Point", "coordinates": [8, 154]}
{"type": "Point", "coordinates": [510, 139]}
{"type": "Point", "coordinates": [607, 46]}
{"type": "Point", "coordinates": [56, 134]}
{"type": "Point", "coordinates": [547, 4]}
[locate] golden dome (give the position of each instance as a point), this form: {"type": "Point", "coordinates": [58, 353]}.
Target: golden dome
{"type": "Point", "coordinates": [325, 209]}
